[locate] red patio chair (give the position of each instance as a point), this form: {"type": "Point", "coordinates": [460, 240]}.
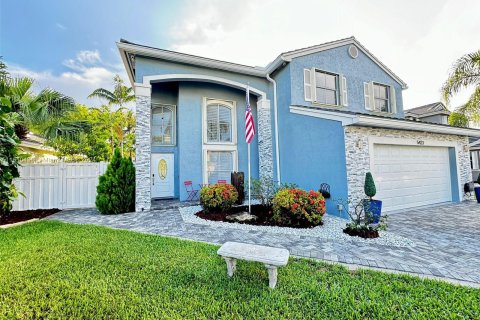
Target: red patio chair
{"type": "Point", "coordinates": [192, 193]}
{"type": "Point", "coordinates": [222, 181]}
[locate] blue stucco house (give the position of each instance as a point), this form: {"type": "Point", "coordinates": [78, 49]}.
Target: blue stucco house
{"type": "Point", "coordinates": [324, 114]}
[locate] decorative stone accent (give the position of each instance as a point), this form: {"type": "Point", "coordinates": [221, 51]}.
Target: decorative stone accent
{"type": "Point", "coordinates": [358, 154]}
{"type": "Point", "coordinates": [241, 217]}
{"type": "Point", "coordinates": [265, 149]}
{"type": "Point", "coordinates": [143, 150]}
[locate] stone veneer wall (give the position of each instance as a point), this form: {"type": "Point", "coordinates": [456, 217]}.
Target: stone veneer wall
{"type": "Point", "coordinates": [265, 150]}
{"type": "Point", "coordinates": [143, 150]}
{"type": "Point", "coordinates": [358, 154]}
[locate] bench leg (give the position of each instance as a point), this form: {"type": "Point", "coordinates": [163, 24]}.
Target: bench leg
{"type": "Point", "coordinates": [272, 275]}
{"type": "Point", "coordinates": [231, 266]}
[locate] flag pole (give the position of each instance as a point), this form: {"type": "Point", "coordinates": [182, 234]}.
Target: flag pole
{"type": "Point", "coordinates": [249, 204]}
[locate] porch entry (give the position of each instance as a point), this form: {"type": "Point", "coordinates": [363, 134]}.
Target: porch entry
{"type": "Point", "coordinates": [162, 174]}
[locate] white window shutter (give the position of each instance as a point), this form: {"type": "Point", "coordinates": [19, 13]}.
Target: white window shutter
{"type": "Point", "coordinates": [366, 94]}
{"type": "Point", "coordinates": [393, 100]}
{"type": "Point", "coordinates": [343, 91]}
{"type": "Point", "coordinates": [314, 85]}
{"type": "Point", "coordinates": [307, 84]}
{"type": "Point", "coordinates": [371, 95]}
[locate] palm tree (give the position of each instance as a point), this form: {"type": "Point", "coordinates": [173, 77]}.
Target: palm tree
{"type": "Point", "coordinates": [465, 73]}
{"type": "Point", "coordinates": [120, 96]}
{"type": "Point", "coordinates": [42, 113]}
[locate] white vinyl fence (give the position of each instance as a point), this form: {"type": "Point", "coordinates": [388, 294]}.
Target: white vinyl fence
{"type": "Point", "coordinates": [58, 185]}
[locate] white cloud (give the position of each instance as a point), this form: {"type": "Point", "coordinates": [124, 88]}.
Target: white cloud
{"type": "Point", "coordinates": [85, 75]}
{"type": "Point", "coordinates": [60, 26]}
{"type": "Point", "coordinates": [418, 40]}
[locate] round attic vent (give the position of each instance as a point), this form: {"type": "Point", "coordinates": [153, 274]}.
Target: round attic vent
{"type": "Point", "coordinates": [353, 51]}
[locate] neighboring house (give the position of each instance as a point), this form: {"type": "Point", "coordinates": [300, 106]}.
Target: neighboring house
{"type": "Point", "coordinates": [437, 113]}
{"type": "Point", "coordinates": [34, 145]}
{"type": "Point", "coordinates": [434, 112]}
{"type": "Point", "coordinates": [324, 114]}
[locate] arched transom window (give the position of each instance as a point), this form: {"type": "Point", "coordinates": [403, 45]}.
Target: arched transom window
{"type": "Point", "coordinates": [219, 122]}
{"type": "Point", "coordinates": [163, 125]}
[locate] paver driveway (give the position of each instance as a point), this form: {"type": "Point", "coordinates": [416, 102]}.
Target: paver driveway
{"type": "Point", "coordinates": [447, 237]}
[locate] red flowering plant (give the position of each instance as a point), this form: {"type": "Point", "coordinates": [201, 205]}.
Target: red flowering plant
{"type": "Point", "coordinates": [218, 197]}
{"type": "Point", "coordinates": [298, 208]}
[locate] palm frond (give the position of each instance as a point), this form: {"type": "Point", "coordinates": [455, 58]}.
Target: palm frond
{"type": "Point", "coordinates": [65, 129]}
{"type": "Point", "coordinates": [465, 72]}
{"type": "Point", "coordinates": [103, 94]}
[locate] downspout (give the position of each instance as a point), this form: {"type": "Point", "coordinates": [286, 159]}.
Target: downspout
{"type": "Point", "coordinates": [277, 151]}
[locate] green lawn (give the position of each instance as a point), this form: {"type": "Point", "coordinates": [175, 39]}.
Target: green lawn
{"type": "Point", "coordinates": [55, 270]}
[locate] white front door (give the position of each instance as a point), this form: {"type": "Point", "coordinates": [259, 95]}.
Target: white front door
{"type": "Point", "coordinates": [162, 169]}
{"type": "Point", "coordinates": [411, 176]}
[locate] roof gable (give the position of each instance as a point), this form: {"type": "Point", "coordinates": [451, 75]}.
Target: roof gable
{"type": "Point", "coordinates": [428, 110]}
{"type": "Point", "coordinates": [129, 48]}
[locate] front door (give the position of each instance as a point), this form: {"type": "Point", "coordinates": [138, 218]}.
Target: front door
{"type": "Point", "coordinates": [162, 175]}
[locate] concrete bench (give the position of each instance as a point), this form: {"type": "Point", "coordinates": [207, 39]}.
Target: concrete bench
{"type": "Point", "coordinates": [271, 257]}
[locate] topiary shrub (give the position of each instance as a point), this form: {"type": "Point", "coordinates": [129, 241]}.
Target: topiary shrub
{"type": "Point", "coordinates": [298, 208]}
{"type": "Point", "coordinates": [369, 187]}
{"type": "Point", "coordinates": [218, 197]}
{"type": "Point", "coordinates": [116, 188]}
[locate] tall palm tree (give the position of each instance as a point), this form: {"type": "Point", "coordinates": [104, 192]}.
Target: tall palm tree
{"type": "Point", "coordinates": [120, 95]}
{"type": "Point", "coordinates": [465, 73]}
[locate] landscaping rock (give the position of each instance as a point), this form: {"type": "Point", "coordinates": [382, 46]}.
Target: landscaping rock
{"type": "Point", "coordinates": [241, 217]}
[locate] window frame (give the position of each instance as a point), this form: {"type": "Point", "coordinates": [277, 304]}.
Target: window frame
{"type": "Point", "coordinates": [218, 149]}
{"type": "Point", "coordinates": [173, 108]}
{"type": "Point", "coordinates": [230, 104]}
{"type": "Point", "coordinates": [315, 86]}
{"type": "Point", "coordinates": [389, 98]}
{"type": "Point", "coordinates": [218, 146]}
{"type": "Point", "coordinates": [475, 161]}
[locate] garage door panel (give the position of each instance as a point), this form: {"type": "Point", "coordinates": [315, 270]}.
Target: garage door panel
{"type": "Point", "coordinates": [409, 176]}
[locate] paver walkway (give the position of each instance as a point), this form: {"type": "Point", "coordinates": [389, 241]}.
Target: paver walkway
{"type": "Point", "coordinates": [447, 237]}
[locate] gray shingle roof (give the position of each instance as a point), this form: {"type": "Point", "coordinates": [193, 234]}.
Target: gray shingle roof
{"type": "Point", "coordinates": [436, 107]}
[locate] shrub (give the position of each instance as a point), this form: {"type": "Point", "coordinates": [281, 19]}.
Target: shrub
{"type": "Point", "coordinates": [218, 197]}
{"type": "Point", "coordinates": [116, 188]}
{"type": "Point", "coordinates": [298, 208]}
{"type": "Point", "coordinates": [369, 187]}
{"type": "Point", "coordinates": [265, 189]}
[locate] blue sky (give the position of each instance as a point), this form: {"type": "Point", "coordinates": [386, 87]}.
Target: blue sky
{"type": "Point", "coordinates": [70, 45]}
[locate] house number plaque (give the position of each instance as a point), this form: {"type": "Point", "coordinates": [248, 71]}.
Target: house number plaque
{"type": "Point", "coordinates": [420, 142]}
{"type": "Point", "coordinates": [162, 169]}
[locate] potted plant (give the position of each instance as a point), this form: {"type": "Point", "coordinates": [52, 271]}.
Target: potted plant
{"type": "Point", "coordinates": [477, 190]}
{"type": "Point", "coordinates": [372, 207]}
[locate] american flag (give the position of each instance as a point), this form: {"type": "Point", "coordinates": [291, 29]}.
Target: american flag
{"type": "Point", "coordinates": [249, 123]}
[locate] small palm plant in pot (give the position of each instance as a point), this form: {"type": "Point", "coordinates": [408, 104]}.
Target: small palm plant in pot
{"type": "Point", "coordinates": [373, 208]}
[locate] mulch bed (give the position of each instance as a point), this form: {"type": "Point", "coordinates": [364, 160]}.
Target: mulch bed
{"type": "Point", "coordinates": [367, 234]}
{"type": "Point", "coordinates": [263, 214]}
{"type": "Point", "coordinates": [19, 216]}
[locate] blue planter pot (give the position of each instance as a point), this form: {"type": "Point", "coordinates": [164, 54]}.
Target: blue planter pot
{"type": "Point", "coordinates": [477, 194]}
{"type": "Point", "coordinates": [375, 208]}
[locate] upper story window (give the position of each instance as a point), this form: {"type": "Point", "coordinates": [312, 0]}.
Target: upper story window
{"type": "Point", "coordinates": [163, 125]}
{"type": "Point", "coordinates": [379, 97]}
{"type": "Point", "coordinates": [325, 87]}
{"type": "Point", "coordinates": [219, 118]}
{"type": "Point", "coordinates": [382, 98]}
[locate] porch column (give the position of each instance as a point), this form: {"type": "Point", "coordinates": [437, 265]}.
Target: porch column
{"type": "Point", "coordinates": [265, 150]}
{"type": "Point", "coordinates": [143, 147]}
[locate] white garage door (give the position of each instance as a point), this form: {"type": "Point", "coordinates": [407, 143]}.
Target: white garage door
{"type": "Point", "coordinates": [411, 176]}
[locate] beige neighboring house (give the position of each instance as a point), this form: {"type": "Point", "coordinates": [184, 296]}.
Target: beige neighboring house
{"type": "Point", "coordinates": [35, 146]}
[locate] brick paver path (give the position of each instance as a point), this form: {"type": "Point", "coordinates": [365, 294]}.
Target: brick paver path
{"type": "Point", "coordinates": [447, 237]}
